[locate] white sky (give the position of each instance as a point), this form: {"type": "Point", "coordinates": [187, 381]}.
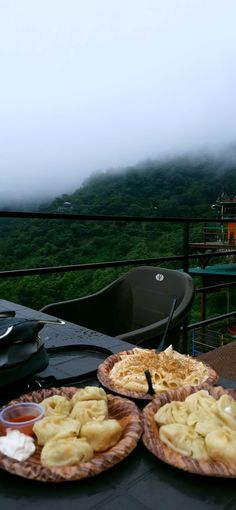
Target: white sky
{"type": "Point", "coordinates": [89, 85]}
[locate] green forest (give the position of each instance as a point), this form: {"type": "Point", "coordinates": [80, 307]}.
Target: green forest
{"type": "Point", "coordinates": [182, 187]}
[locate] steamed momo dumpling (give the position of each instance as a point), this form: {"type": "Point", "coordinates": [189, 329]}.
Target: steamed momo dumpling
{"type": "Point", "coordinates": [199, 402]}
{"type": "Point", "coordinates": [176, 436]}
{"type": "Point", "coordinates": [204, 418]}
{"type": "Point", "coordinates": [210, 423]}
{"type": "Point", "coordinates": [225, 408]}
{"type": "Point", "coordinates": [55, 427]}
{"type": "Point", "coordinates": [198, 448]}
{"type": "Point", "coordinates": [66, 452]}
{"type": "Point", "coordinates": [200, 426]}
{"type": "Point", "coordinates": [201, 408]}
{"type": "Point", "coordinates": [101, 435]}
{"type": "Point", "coordinates": [221, 444]}
{"type": "Point", "coordinates": [89, 393]}
{"type": "Point", "coordinates": [173, 412]}
{"type": "Point", "coordinates": [87, 410]}
{"type": "Point", "coordinates": [184, 440]}
{"type": "Point", "coordinates": [56, 405]}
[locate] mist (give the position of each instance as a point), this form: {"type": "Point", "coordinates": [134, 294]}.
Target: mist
{"type": "Point", "coordinates": [101, 84]}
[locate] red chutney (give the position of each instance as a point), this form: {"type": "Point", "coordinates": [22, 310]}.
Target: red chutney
{"type": "Point", "coordinates": [25, 429]}
{"type": "Point", "coordinates": [18, 419]}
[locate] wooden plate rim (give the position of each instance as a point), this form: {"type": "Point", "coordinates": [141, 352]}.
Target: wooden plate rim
{"type": "Point", "coordinates": [151, 440]}
{"type": "Point", "coordinates": [120, 408]}
{"type": "Point", "coordinates": [105, 367]}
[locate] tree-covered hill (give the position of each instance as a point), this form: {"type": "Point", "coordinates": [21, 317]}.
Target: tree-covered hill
{"type": "Point", "coordinates": [181, 187]}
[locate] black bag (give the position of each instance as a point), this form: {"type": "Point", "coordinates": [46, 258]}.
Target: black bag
{"type": "Point", "coordinates": [23, 355]}
{"type": "Point", "coordinates": [22, 352]}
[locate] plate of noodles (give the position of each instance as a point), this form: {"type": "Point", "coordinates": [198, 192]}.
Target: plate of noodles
{"type": "Point", "coordinates": [124, 372]}
{"type": "Point", "coordinates": [83, 433]}
{"type": "Point", "coordinates": [194, 430]}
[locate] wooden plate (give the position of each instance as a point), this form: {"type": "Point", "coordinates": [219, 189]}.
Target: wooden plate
{"type": "Point", "coordinates": [153, 443]}
{"type": "Point", "coordinates": [103, 374]}
{"type": "Point", "coordinates": [125, 411]}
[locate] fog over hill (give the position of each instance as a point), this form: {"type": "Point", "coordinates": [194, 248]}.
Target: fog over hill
{"type": "Point", "coordinates": [222, 164]}
{"type": "Point", "coordinates": [93, 85]}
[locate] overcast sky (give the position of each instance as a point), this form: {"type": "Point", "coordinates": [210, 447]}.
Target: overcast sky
{"type": "Point", "coordinates": [90, 85]}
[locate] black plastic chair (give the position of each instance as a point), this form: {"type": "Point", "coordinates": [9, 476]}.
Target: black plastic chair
{"type": "Point", "coordinates": [135, 307]}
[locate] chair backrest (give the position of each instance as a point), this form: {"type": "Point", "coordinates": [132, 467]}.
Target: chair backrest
{"type": "Point", "coordinates": [153, 291]}
{"type": "Point", "coordinates": [135, 307]}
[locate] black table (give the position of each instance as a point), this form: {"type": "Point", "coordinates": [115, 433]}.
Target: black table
{"type": "Point", "coordinates": [139, 482]}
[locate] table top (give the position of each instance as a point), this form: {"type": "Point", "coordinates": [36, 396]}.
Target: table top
{"type": "Point", "coordinates": [140, 481]}
{"type": "Point", "coordinates": [222, 359]}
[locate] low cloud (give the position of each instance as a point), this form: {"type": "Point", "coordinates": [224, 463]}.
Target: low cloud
{"type": "Point", "coordinates": [103, 84]}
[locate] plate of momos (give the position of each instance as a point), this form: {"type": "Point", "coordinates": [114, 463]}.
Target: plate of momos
{"type": "Point", "coordinates": [124, 372]}
{"type": "Point", "coordinates": [194, 430]}
{"type": "Point", "coordinates": [83, 432]}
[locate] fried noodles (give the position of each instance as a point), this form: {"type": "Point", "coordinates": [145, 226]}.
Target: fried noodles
{"type": "Point", "coordinates": [169, 370]}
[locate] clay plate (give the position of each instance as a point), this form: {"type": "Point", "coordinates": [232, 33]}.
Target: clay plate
{"type": "Point", "coordinates": [103, 375]}
{"type": "Point", "coordinates": [153, 443]}
{"type": "Point", "coordinates": [125, 411]}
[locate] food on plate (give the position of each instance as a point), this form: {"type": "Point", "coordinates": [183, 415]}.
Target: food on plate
{"type": "Point", "coordinates": [87, 410]}
{"type": "Point", "coordinates": [101, 434]}
{"type": "Point", "coordinates": [55, 427]}
{"type": "Point", "coordinates": [184, 440]}
{"type": "Point", "coordinates": [17, 445]}
{"type": "Point", "coordinates": [89, 393]}
{"type": "Point", "coordinates": [66, 452]}
{"type": "Point", "coordinates": [201, 426]}
{"type": "Point", "coordinates": [221, 444]}
{"type": "Point", "coordinates": [200, 405]}
{"type": "Point", "coordinates": [89, 424]}
{"type": "Point", "coordinates": [199, 402]}
{"type": "Point", "coordinates": [206, 424]}
{"type": "Point", "coordinates": [68, 439]}
{"type": "Point", "coordinates": [169, 370]}
{"type": "Point", "coordinates": [20, 416]}
{"type": "Point", "coordinates": [57, 404]}
{"type": "Point", "coordinates": [174, 412]}
{"type": "Point", "coordinates": [226, 409]}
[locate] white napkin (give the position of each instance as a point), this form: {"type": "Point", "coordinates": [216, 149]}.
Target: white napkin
{"type": "Point", "coordinates": [17, 445]}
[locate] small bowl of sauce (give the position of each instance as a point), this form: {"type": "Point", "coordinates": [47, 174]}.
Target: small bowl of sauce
{"type": "Point", "coordinates": [21, 416]}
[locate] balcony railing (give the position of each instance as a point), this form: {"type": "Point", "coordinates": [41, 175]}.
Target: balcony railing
{"type": "Point", "coordinates": [204, 252]}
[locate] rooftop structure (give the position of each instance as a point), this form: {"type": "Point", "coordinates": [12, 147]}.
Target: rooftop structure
{"type": "Point", "coordinates": [216, 269]}
{"type": "Point", "coordinates": [220, 235]}
{"type": "Point", "coordinates": [225, 209]}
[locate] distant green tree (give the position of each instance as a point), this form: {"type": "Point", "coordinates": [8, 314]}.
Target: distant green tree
{"type": "Point", "coordinates": [178, 187]}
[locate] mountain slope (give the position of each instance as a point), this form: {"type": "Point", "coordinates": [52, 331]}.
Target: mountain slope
{"type": "Point", "coordinates": [181, 187]}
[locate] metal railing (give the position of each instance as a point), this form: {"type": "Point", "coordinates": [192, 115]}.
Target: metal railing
{"type": "Point", "coordinates": [184, 258]}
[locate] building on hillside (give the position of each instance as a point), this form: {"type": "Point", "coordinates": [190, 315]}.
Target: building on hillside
{"type": "Point", "coordinates": [219, 237]}
{"type": "Point", "coordinates": [65, 207]}
{"type": "Point", "coordinates": [225, 209]}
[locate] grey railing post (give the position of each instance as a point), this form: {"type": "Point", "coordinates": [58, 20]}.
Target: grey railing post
{"type": "Point", "coordinates": [185, 268]}
{"type": "Point", "coordinates": [186, 246]}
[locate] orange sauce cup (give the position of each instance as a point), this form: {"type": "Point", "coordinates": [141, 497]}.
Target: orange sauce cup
{"type": "Point", "coordinates": [21, 416]}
